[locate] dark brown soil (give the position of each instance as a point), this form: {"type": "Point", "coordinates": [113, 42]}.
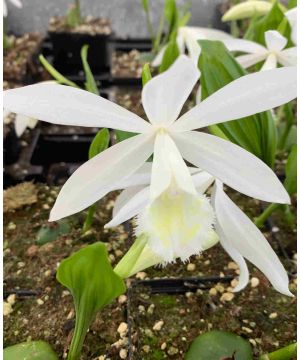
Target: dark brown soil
{"type": "Point", "coordinates": [90, 25]}
{"type": "Point", "coordinates": [18, 60]}
{"type": "Point", "coordinates": [50, 316]}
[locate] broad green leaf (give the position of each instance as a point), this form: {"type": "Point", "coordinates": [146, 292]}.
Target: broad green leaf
{"type": "Point", "coordinates": [52, 231]}
{"type": "Point", "coordinates": [31, 350]}
{"type": "Point", "coordinates": [93, 284]}
{"type": "Point", "coordinates": [271, 21]}
{"type": "Point", "coordinates": [290, 182]}
{"type": "Point", "coordinates": [99, 143]}
{"type": "Point", "coordinates": [90, 83]}
{"type": "Point", "coordinates": [292, 4]}
{"type": "Point", "coordinates": [123, 135]}
{"type": "Point", "coordinates": [170, 11]}
{"type": "Point", "coordinates": [170, 55]}
{"type": "Point", "coordinates": [217, 345]}
{"type": "Point", "coordinates": [57, 75]}
{"type": "Point", "coordinates": [146, 74]}
{"type": "Point", "coordinates": [145, 5]}
{"type": "Point", "coordinates": [256, 133]}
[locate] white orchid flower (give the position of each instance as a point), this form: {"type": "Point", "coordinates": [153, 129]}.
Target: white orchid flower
{"type": "Point", "coordinates": [16, 3]}
{"type": "Point", "coordinates": [170, 140]}
{"type": "Point", "coordinates": [292, 18]}
{"type": "Point", "coordinates": [237, 234]}
{"type": "Point", "coordinates": [272, 54]}
{"type": "Point", "coordinates": [187, 38]}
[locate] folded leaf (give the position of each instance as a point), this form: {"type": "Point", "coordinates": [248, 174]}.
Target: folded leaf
{"type": "Point", "coordinates": [33, 350]}
{"type": "Point", "coordinates": [93, 284]}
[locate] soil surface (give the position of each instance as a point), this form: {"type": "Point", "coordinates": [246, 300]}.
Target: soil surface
{"type": "Point", "coordinates": [90, 25]}
{"type": "Point", "coordinates": [127, 64]}
{"type": "Point", "coordinates": [48, 314]}
{"type": "Point", "coordinates": [18, 63]}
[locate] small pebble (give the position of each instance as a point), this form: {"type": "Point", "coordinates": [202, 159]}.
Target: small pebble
{"type": "Point", "coordinates": [123, 353]}
{"type": "Point", "coordinates": [163, 346]}
{"type": "Point", "coordinates": [7, 308]}
{"type": "Point", "coordinates": [172, 350]}
{"type": "Point", "coordinates": [141, 275]}
{"type": "Point", "coordinates": [220, 288]}
{"type": "Point", "coordinates": [247, 330]}
{"type": "Point", "coordinates": [254, 282]}
{"type": "Point", "coordinates": [213, 292]}
{"type": "Point", "coordinates": [11, 299]}
{"type": "Point", "coordinates": [40, 302]}
{"type": "Point", "coordinates": [232, 265]}
{"type": "Point", "coordinates": [191, 267]}
{"type": "Point", "coordinates": [47, 273]}
{"type": "Point", "coordinates": [227, 296]}
{"type": "Point", "coordinates": [46, 207]}
{"type": "Point", "coordinates": [158, 325]}
{"type": "Point", "coordinates": [32, 250]}
{"type": "Point", "coordinates": [122, 299]}
{"type": "Point", "coordinates": [141, 309]}
{"type": "Point", "coordinates": [150, 309]}
{"type": "Point", "coordinates": [11, 226]}
{"type": "Point", "coordinates": [20, 264]}
{"type": "Point", "coordinates": [273, 315]}
{"type": "Point", "coordinates": [146, 348]}
{"type": "Point", "coordinates": [122, 329]}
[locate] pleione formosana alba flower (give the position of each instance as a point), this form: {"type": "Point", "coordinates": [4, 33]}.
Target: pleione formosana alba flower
{"type": "Point", "coordinates": [272, 54]}
{"type": "Point", "coordinates": [237, 234]}
{"type": "Point", "coordinates": [172, 191]}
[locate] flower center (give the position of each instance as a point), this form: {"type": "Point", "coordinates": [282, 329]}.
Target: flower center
{"type": "Point", "coordinates": [178, 224]}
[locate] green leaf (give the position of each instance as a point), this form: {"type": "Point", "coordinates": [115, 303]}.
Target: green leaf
{"type": "Point", "coordinates": [146, 74]}
{"type": "Point", "coordinates": [99, 143]}
{"type": "Point", "coordinates": [93, 284]}
{"type": "Point", "coordinates": [145, 5]}
{"type": "Point", "coordinates": [52, 231]}
{"type": "Point", "coordinates": [57, 75]}
{"type": "Point", "coordinates": [33, 350]}
{"type": "Point", "coordinates": [123, 135]}
{"type": "Point", "coordinates": [217, 345]}
{"type": "Point", "coordinates": [170, 55]}
{"type": "Point", "coordinates": [73, 17]}
{"type": "Point", "coordinates": [292, 4]}
{"type": "Point", "coordinates": [290, 182]}
{"type": "Point", "coordinates": [170, 11]}
{"type": "Point", "coordinates": [270, 21]}
{"type": "Point", "coordinates": [90, 83]}
{"type": "Point", "coordinates": [256, 133]}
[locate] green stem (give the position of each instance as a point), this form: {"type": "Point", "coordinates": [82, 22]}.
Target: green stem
{"type": "Point", "coordinates": [89, 218]}
{"type": "Point", "coordinates": [81, 327]}
{"type": "Point", "coordinates": [287, 353]}
{"type": "Point", "coordinates": [260, 220]}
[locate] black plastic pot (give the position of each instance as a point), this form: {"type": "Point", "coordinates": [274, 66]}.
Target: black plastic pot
{"type": "Point", "coordinates": [67, 46]}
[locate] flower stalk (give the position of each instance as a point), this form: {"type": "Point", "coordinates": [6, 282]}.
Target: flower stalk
{"type": "Point", "coordinates": [286, 353]}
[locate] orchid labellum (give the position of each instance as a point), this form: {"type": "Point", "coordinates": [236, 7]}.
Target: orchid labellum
{"type": "Point", "coordinates": [237, 234]}
{"type": "Point", "coordinates": [274, 53]}
{"type": "Point", "coordinates": [187, 39]}
{"type": "Point", "coordinates": [171, 187]}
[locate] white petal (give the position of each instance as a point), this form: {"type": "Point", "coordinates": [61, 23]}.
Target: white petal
{"type": "Point", "coordinates": [275, 41]}
{"type": "Point", "coordinates": [245, 237]}
{"type": "Point", "coordinates": [20, 124]}
{"type": "Point", "coordinates": [288, 57]}
{"type": "Point", "coordinates": [236, 256]}
{"type": "Point", "coordinates": [168, 166]}
{"type": "Point", "coordinates": [64, 105]}
{"type": "Point", "coordinates": [125, 196]}
{"type": "Point", "coordinates": [292, 18]}
{"type": "Point", "coordinates": [250, 59]}
{"type": "Point", "coordinates": [246, 46]}
{"type": "Point", "coordinates": [164, 95]}
{"type": "Point", "coordinates": [231, 164]}
{"type": "Point", "coordinates": [131, 208]}
{"type": "Point", "coordinates": [158, 58]}
{"type": "Point", "coordinates": [204, 33]}
{"type": "Point", "coordinates": [202, 181]}
{"type": "Point", "coordinates": [95, 178]}
{"type": "Point", "coordinates": [248, 95]}
{"type": "Point", "coordinates": [270, 63]}
{"type": "Point", "coordinates": [32, 123]}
